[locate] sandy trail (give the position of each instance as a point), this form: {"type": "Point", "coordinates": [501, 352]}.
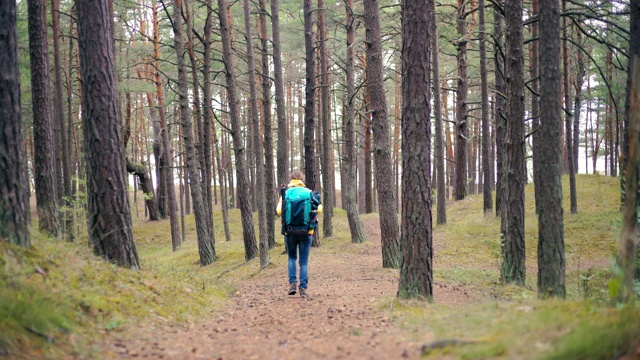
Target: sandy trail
{"type": "Point", "coordinates": [345, 317]}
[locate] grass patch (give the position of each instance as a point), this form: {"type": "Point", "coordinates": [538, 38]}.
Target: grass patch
{"type": "Point", "coordinates": [524, 329]}
{"type": "Point", "coordinates": [605, 334]}
{"type": "Point", "coordinates": [467, 248]}
{"type": "Point", "coordinates": [60, 292]}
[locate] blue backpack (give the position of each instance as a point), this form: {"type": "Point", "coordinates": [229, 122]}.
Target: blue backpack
{"type": "Point", "coordinates": [299, 210]}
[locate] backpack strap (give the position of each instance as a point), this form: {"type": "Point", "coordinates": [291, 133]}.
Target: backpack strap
{"type": "Point", "coordinates": [283, 193]}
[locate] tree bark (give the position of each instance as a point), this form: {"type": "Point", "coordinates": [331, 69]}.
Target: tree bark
{"type": "Point", "coordinates": [208, 118]}
{"type": "Point", "coordinates": [43, 136]}
{"type": "Point", "coordinates": [283, 139]}
{"type": "Point", "coordinates": [14, 195]}
{"type": "Point", "coordinates": [255, 120]}
{"type": "Point", "coordinates": [534, 73]}
{"type": "Point", "coordinates": [486, 175]}
{"type": "Point", "coordinates": [437, 105]}
{"type": "Point", "coordinates": [202, 179]}
{"type": "Point", "coordinates": [568, 116]}
{"type": "Point", "coordinates": [162, 189]}
{"type": "Point", "coordinates": [397, 114]}
{"type": "Point", "coordinates": [416, 271]}
{"type": "Point", "coordinates": [327, 147]}
{"type": "Point", "coordinates": [629, 252]}
{"type": "Point", "coordinates": [513, 250]}
{"type": "Point", "coordinates": [391, 252]}
{"type": "Point", "coordinates": [629, 241]}
{"type": "Point", "coordinates": [62, 148]}
{"type": "Point", "coordinates": [250, 246]}
{"type": "Point", "coordinates": [579, 81]}
{"type": "Point", "coordinates": [310, 99]}
{"type": "Point", "coordinates": [206, 250]}
{"type": "Point", "coordinates": [500, 118]}
{"type": "Point", "coordinates": [366, 148]}
{"type": "Point", "coordinates": [350, 160]}
{"type": "Point", "coordinates": [109, 216]}
{"type": "Point", "coordinates": [270, 187]}
{"type": "Point", "coordinates": [462, 131]}
{"type": "Point", "coordinates": [166, 165]}
{"type": "Point", "coordinates": [551, 261]}
{"type": "Point", "coordinates": [310, 104]}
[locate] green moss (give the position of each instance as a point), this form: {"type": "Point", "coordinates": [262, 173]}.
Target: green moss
{"type": "Point", "coordinates": [604, 334]}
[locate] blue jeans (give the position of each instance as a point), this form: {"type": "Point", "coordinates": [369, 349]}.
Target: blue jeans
{"type": "Point", "coordinates": [303, 243]}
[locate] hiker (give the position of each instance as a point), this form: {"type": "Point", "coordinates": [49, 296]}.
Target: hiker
{"type": "Point", "coordinates": [299, 208]}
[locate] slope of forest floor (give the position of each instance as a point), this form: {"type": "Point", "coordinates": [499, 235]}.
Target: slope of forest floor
{"type": "Point", "coordinates": [58, 301]}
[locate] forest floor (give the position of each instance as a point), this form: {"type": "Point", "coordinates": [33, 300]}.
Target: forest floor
{"type": "Point", "coordinates": [344, 316]}
{"type": "Point", "coordinates": [59, 301]}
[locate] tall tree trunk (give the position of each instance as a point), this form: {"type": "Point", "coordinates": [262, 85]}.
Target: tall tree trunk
{"type": "Point", "coordinates": [202, 179]}
{"type": "Point", "coordinates": [206, 250]}
{"type": "Point", "coordinates": [486, 175]}
{"type": "Point", "coordinates": [224, 196]}
{"type": "Point", "coordinates": [310, 104]}
{"type": "Point", "coordinates": [166, 164]}
{"type": "Point", "coordinates": [448, 144]}
{"type": "Point", "coordinates": [534, 73]}
{"type": "Point", "coordinates": [230, 178]}
{"type": "Point", "coordinates": [568, 116]}
{"type": "Point", "coordinates": [500, 118]}
{"type": "Point", "coordinates": [283, 139]}
{"type": "Point", "coordinates": [250, 246]}
{"type": "Point", "coordinates": [258, 148]}
{"type": "Point", "coordinates": [437, 105]}
{"type": "Point", "coordinates": [162, 189]}
{"type": "Point", "coordinates": [397, 114]}
{"type": "Point", "coordinates": [62, 148]}
{"type": "Point", "coordinates": [361, 172]}
{"type": "Point", "coordinates": [14, 195]}
{"type": "Point", "coordinates": [629, 253]}
{"type": "Point", "coordinates": [208, 118]}
{"type": "Point", "coordinates": [70, 125]}
{"type": "Point", "coordinates": [251, 159]}
{"type": "Point", "coordinates": [110, 229]}
{"type": "Point", "coordinates": [565, 93]}
{"type": "Point", "coordinates": [588, 117]}
{"type": "Point", "coordinates": [513, 250]}
{"type": "Point", "coordinates": [301, 125]}
{"type": "Point", "coordinates": [44, 158]}
{"type": "Point", "coordinates": [182, 189]}
{"type": "Point", "coordinates": [327, 147]}
{"type": "Point", "coordinates": [462, 130]}
{"type": "Point", "coordinates": [610, 151]}
{"type": "Point", "coordinates": [416, 271]}
{"type": "Point", "coordinates": [391, 252]}
{"type": "Point", "coordinates": [628, 258]}
{"type": "Point", "coordinates": [366, 148]}
{"type": "Point", "coordinates": [551, 261]}
{"type": "Point", "coordinates": [310, 98]}
{"type": "Point", "coordinates": [350, 160]}
{"type": "Point", "coordinates": [157, 142]}
{"type": "Point", "coordinates": [271, 188]}
{"type": "Point", "coordinates": [579, 81]}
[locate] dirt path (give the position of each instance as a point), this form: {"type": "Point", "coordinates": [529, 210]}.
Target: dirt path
{"type": "Point", "coordinates": [345, 316]}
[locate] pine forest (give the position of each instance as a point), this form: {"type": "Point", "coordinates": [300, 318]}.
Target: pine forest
{"type": "Point", "coordinates": [473, 168]}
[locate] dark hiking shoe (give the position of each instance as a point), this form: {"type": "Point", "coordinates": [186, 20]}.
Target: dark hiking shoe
{"type": "Point", "coordinates": [292, 289]}
{"type": "Point", "coordinates": [303, 293]}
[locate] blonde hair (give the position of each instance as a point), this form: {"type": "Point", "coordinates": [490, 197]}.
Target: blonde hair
{"type": "Point", "coordinates": [297, 175]}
